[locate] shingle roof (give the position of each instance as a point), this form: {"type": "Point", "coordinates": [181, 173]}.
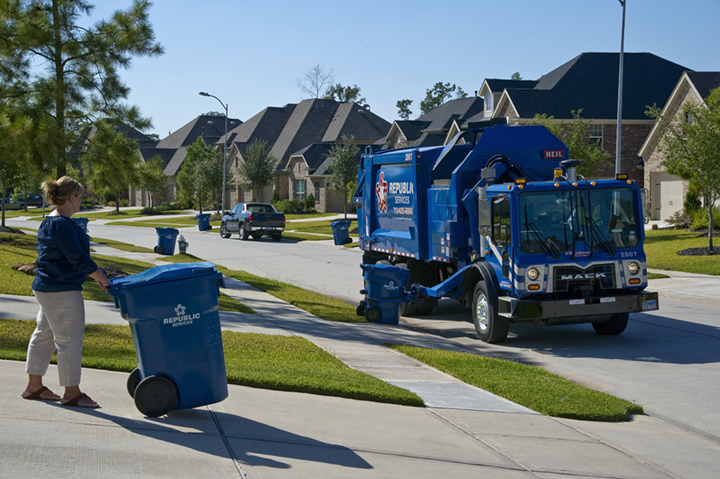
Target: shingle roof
{"type": "Point", "coordinates": [211, 128]}
{"type": "Point", "coordinates": [590, 82]}
{"type": "Point", "coordinates": [459, 110]}
{"type": "Point", "coordinates": [498, 85]}
{"type": "Point", "coordinates": [705, 82]}
{"type": "Point", "coordinates": [296, 126]}
{"type": "Point", "coordinates": [165, 154]}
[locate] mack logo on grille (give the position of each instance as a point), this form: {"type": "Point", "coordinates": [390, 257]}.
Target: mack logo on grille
{"type": "Point", "coordinates": [583, 276]}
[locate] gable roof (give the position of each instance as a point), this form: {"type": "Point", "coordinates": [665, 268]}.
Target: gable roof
{"type": "Point", "coordinates": [210, 127]}
{"type": "Point", "coordinates": [317, 159]}
{"type": "Point", "coordinates": [294, 127]}
{"type": "Point", "coordinates": [697, 83]}
{"type": "Point", "coordinates": [590, 82]}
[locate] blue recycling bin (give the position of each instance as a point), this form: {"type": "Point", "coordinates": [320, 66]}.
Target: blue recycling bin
{"type": "Point", "coordinates": [82, 223]}
{"type": "Point", "coordinates": [175, 324]}
{"type": "Point", "coordinates": [341, 233]}
{"type": "Point", "coordinates": [166, 240]}
{"type": "Point", "coordinates": [384, 291]}
{"type": "Point", "coordinates": [203, 221]}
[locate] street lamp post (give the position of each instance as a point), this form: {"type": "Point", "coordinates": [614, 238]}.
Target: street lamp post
{"type": "Point", "coordinates": [618, 143]}
{"type": "Point", "coordinates": [225, 106]}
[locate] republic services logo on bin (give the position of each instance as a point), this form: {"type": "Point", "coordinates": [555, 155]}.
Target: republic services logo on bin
{"type": "Point", "coordinates": [181, 319]}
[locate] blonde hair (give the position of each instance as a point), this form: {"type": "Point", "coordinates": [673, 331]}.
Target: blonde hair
{"type": "Point", "coordinates": [57, 192]}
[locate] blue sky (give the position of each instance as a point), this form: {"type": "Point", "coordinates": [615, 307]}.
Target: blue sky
{"type": "Point", "coordinates": [249, 53]}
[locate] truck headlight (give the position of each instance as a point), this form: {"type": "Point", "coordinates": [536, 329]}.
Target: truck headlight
{"type": "Point", "coordinates": [532, 274]}
{"type": "Point", "coordinates": [633, 268]}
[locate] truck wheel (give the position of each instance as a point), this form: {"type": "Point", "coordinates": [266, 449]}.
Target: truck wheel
{"type": "Point", "coordinates": [242, 232]}
{"type": "Point", "coordinates": [421, 273]}
{"type": "Point", "coordinates": [490, 327]}
{"type": "Point", "coordinates": [223, 231]}
{"type": "Point", "coordinates": [616, 325]}
{"type": "Point", "coordinates": [155, 396]}
{"type": "Point", "coordinates": [277, 237]}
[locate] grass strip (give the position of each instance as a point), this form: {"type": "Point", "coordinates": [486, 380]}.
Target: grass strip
{"type": "Point", "coordinates": [284, 363]}
{"type": "Point", "coordinates": [529, 386]}
{"type": "Point", "coordinates": [321, 306]}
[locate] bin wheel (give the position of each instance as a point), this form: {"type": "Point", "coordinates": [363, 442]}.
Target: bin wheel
{"type": "Point", "coordinates": [155, 396]}
{"type": "Point", "coordinates": [360, 309]}
{"type": "Point", "coordinates": [373, 314]}
{"type": "Point", "coordinates": [159, 250]}
{"type": "Point", "coordinates": [133, 381]}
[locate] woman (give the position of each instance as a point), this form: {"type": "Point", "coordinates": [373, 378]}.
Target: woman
{"type": "Point", "coordinates": [63, 264]}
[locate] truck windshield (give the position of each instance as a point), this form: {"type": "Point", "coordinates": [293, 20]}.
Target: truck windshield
{"type": "Point", "coordinates": [602, 219]}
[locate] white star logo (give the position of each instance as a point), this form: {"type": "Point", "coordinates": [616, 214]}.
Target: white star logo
{"type": "Point", "coordinates": [180, 310]}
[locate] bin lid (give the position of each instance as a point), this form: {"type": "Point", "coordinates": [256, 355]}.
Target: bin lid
{"type": "Point", "coordinates": [165, 273]}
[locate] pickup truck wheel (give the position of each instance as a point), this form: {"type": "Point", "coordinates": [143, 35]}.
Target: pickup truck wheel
{"type": "Point", "coordinates": [224, 232]}
{"type": "Point", "coordinates": [490, 327]}
{"type": "Point", "coordinates": [242, 232]}
{"type": "Point", "coordinates": [277, 237]}
{"type": "Point", "coordinates": [616, 325]}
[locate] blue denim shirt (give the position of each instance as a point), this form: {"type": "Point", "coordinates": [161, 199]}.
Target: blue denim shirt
{"type": "Point", "coordinates": [63, 256]}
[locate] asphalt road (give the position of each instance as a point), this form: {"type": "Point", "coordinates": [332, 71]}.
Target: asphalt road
{"type": "Point", "coordinates": [667, 360]}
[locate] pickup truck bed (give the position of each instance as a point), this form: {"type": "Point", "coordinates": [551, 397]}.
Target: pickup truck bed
{"type": "Point", "coordinates": [253, 220]}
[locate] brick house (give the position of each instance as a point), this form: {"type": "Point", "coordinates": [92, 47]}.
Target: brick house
{"type": "Point", "coordinates": [299, 136]}
{"type": "Point", "coordinates": [666, 192]}
{"type": "Point", "coordinates": [590, 82]}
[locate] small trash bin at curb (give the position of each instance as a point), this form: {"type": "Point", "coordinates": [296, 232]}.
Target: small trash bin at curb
{"type": "Point", "coordinates": [166, 240]}
{"type": "Point", "coordinates": [384, 291]}
{"type": "Point", "coordinates": [341, 233]}
{"type": "Point", "coordinates": [203, 221]}
{"type": "Point", "coordinates": [82, 223]}
{"type": "Point", "coordinates": [175, 324]}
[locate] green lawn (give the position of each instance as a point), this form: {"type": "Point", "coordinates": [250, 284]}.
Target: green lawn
{"type": "Point", "coordinates": [662, 246]}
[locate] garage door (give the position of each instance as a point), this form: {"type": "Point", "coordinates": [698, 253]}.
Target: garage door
{"type": "Point", "coordinates": [670, 189]}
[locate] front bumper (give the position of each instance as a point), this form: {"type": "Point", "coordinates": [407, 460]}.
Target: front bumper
{"type": "Point", "coordinates": [575, 310]}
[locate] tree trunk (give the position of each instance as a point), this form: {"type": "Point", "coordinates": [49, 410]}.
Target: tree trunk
{"type": "Point", "coordinates": [710, 224]}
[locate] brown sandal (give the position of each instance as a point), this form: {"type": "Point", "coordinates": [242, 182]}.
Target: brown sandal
{"type": "Point", "coordinates": [43, 394]}
{"type": "Point", "coordinates": [75, 402]}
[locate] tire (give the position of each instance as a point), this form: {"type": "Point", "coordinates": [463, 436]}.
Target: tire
{"type": "Point", "coordinates": [133, 381]}
{"type": "Point", "coordinates": [224, 232]}
{"type": "Point", "coordinates": [256, 236]}
{"type": "Point", "coordinates": [373, 314]}
{"type": "Point", "coordinates": [159, 250]}
{"type": "Point", "coordinates": [242, 232]}
{"type": "Point", "coordinates": [155, 396]}
{"type": "Point", "coordinates": [277, 237]}
{"type": "Point", "coordinates": [616, 324]}
{"type": "Point", "coordinates": [490, 327]}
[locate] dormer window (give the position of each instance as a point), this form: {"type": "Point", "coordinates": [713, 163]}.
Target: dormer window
{"type": "Point", "coordinates": [488, 102]}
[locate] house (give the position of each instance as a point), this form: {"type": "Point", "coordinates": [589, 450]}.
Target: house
{"type": "Point", "coordinates": [173, 148]}
{"type": "Point", "coordinates": [589, 82]}
{"type": "Point", "coordinates": [299, 135]}
{"type": "Point", "coordinates": [435, 127]}
{"type": "Point", "coordinates": [666, 192]}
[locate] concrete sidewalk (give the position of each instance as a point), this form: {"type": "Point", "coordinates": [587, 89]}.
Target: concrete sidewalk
{"type": "Point", "coordinates": [255, 433]}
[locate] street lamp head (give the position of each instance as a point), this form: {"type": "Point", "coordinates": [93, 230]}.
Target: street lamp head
{"type": "Point", "coordinates": [204, 93]}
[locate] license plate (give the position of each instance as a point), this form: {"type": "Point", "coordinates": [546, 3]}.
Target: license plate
{"type": "Point", "coordinates": [650, 305]}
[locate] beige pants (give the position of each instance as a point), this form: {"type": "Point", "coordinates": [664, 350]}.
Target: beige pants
{"type": "Point", "coordinates": [60, 327]}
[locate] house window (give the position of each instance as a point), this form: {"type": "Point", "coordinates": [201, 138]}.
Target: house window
{"type": "Point", "coordinates": [596, 135]}
{"type": "Point", "coordinates": [316, 186]}
{"type": "Point", "coordinates": [688, 117]}
{"type": "Point", "coordinates": [299, 189]}
{"type": "Point", "coordinates": [488, 102]}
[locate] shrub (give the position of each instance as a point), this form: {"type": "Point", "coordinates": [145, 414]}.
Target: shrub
{"type": "Point", "coordinates": [692, 202]}
{"type": "Point", "coordinates": [124, 203]}
{"type": "Point", "coordinates": [310, 203]}
{"type": "Point", "coordinates": [679, 219]}
{"type": "Point", "coordinates": [699, 220]}
{"type": "Point", "coordinates": [275, 197]}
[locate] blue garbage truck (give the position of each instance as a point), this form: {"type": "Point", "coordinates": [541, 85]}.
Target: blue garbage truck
{"type": "Point", "coordinates": [500, 220]}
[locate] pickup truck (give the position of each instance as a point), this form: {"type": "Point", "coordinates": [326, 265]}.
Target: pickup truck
{"type": "Point", "coordinates": [253, 219]}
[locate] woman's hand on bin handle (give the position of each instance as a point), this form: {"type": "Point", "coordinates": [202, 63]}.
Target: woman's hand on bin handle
{"type": "Point", "coordinates": [101, 279]}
